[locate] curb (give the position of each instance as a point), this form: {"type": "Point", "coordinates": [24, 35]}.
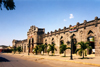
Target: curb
{"type": "Point", "coordinates": [74, 62]}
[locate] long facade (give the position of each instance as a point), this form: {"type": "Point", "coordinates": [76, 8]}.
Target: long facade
{"type": "Point", "coordinates": [86, 31]}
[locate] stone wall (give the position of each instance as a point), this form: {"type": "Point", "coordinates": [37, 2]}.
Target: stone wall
{"type": "Point", "coordinates": [36, 36]}
{"type": "Point", "coordinates": [81, 35]}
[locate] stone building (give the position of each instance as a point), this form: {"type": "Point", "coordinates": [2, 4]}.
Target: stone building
{"type": "Point", "coordinates": [20, 43]}
{"type": "Point", "coordinates": [34, 37]}
{"type": "Point", "coordinates": [86, 31]}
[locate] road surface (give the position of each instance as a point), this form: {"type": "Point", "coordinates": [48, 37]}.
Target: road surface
{"type": "Point", "coordinates": [8, 61]}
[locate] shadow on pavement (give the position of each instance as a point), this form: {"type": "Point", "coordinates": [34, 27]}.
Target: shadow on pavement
{"type": "Point", "coordinates": [86, 58]}
{"type": "Point", "coordinates": [4, 59]}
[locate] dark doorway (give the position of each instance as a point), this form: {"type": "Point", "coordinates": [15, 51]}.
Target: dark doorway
{"type": "Point", "coordinates": [61, 42]}
{"type": "Point", "coordinates": [32, 43]}
{"type": "Point", "coordinates": [74, 45]}
{"type": "Point", "coordinates": [53, 43]}
{"type": "Point", "coordinates": [91, 40]}
{"type": "Point", "coordinates": [45, 48]}
{"type": "Point", "coordinates": [24, 48]}
{"type": "Point", "coordinates": [29, 45]}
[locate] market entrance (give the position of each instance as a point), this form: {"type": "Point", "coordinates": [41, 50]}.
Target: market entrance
{"type": "Point", "coordinates": [92, 44]}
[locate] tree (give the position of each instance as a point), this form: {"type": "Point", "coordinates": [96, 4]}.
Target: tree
{"type": "Point", "coordinates": [19, 49]}
{"type": "Point", "coordinates": [48, 51]}
{"type": "Point", "coordinates": [36, 49]}
{"type": "Point", "coordinates": [8, 4]}
{"type": "Point", "coordinates": [39, 49]}
{"type": "Point", "coordinates": [14, 49]}
{"type": "Point", "coordinates": [52, 48]}
{"type": "Point", "coordinates": [83, 47]}
{"type": "Point", "coordinates": [42, 47]}
{"type": "Point", "coordinates": [63, 48]}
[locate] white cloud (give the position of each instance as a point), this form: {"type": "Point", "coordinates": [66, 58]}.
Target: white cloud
{"type": "Point", "coordinates": [65, 20]}
{"type": "Point", "coordinates": [71, 16]}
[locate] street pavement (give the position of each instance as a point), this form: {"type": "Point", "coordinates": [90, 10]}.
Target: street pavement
{"type": "Point", "coordinates": [53, 61]}
{"type": "Point", "coordinates": [9, 61]}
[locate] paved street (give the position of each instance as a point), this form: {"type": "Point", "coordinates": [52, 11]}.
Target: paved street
{"type": "Point", "coordinates": [12, 60]}
{"type": "Point", "coordinates": [7, 61]}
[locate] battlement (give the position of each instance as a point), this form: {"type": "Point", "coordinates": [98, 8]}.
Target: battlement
{"type": "Point", "coordinates": [85, 24]}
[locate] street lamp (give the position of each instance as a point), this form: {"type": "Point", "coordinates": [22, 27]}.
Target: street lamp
{"type": "Point", "coordinates": [71, 57]}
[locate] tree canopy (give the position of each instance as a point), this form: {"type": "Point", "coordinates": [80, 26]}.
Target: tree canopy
{"type": "Point", "coordinates": [8, 4]}
{"type": "Point", "coordinates": [83, 47]}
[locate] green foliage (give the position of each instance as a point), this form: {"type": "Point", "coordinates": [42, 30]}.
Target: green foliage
{"type": "Point", "coordinates": [39, 48]}
{"type": "Point", "coordinates": [83, 47]}
{"type": "Point", "coordinates": [63, 47]}
{"type": "Point", "coordinates": [36, 49]}
{"type": "Point", "coordinates": [42, 47]}
{"type": "Point", "coordinates": [85, 53]}
{"type": "Point", "coordinates": [14, 49]}
{"type": "Point", "coordinates": [48, 51]}
{"type": "Point", "coordinates": [19, 49]}
{"type": "Point", "coordinates": [80, 52]}
{"type": "Point", "coordinates": [8, 4]}
{"type": "Point", "coordinates": [52, 48]}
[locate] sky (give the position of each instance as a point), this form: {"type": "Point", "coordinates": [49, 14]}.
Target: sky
{"type": "Point", "coordinates": [48, 14]}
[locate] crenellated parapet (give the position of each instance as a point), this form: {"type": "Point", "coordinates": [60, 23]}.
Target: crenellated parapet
{"type": "Point", "coordinates": [18, 42]}
{"type": "Point", "coordinates": [85, 24]}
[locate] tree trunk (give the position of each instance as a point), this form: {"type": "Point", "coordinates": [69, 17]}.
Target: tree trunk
{"type": "Point", "coordinates": [83, 54]}
{"type": "Point", "coordinates": [52, 53]}
{"type": "Point", "coordinates": [64, 53]}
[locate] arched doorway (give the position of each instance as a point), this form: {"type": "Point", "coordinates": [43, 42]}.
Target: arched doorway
{"type": "Point", "coordinates": [53, 43]}
{"type": "Point", "coordinates": [32, 43]}
{"type": "Point", "coordinates": [74, 45]}
{"type": "Point", "coordinates": [92, 44]}
{"type": "Point", "coordinates": [45, 48]}
{"type": "Point", "coordinates": [90, 38]}
{"type": "Point", "coordinates": [29, 45]}
{"type": "Point", "coordinates": [61, 42]}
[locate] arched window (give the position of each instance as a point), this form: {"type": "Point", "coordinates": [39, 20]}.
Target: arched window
{"type": "Point", "coordinates": [61, 42]}
{"type": "Point", "coordinates": [52, 39]}
{"type": "Point", "coordinates": [61, 37]}
{"type": "Point", "coordinates": [53, 43]}
{"type": "Point", "coordinates": [90, 32]}
{"type": "Point", "coordinates": [45, 39]}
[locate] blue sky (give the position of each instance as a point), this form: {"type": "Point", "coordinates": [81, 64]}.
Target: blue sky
{"type": "Point", "coordinates": [48, 14]}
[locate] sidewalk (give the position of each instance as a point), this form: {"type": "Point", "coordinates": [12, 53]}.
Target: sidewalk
{"type": "Point", "coordinates": [76, 59]}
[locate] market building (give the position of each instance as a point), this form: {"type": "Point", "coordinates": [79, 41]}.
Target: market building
{"type": "Point", "coordinates": [86, 31]}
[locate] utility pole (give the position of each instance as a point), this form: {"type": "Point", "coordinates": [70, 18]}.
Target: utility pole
{"type": "Point", "coordinates": [71, 57]}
